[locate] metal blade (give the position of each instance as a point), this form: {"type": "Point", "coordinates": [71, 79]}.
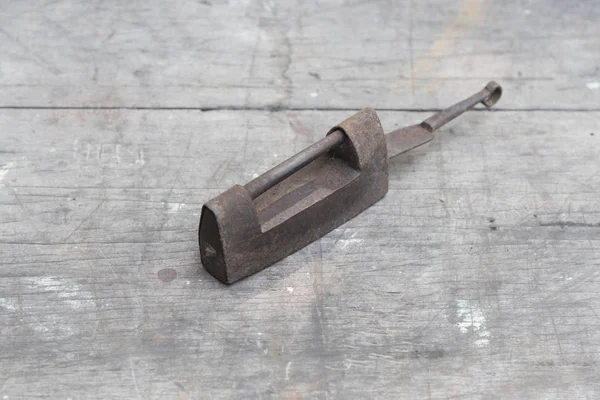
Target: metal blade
{"type": "Point", "coordinates": [405, 139]}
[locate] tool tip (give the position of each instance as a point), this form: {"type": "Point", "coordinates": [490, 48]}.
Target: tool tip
{"type": "Point", "coordinates": [495, 91]}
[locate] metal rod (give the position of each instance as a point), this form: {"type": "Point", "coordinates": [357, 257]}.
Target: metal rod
{"type": "Point", "coordinates": [261, 184]}
{"type": "Point", "coordinates": [488, 96]}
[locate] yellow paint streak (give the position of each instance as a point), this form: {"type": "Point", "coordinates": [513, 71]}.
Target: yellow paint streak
{"type": "Point", "coordinates": [461, 25]}
{"type": "Point", "coordinates": [468, 14]}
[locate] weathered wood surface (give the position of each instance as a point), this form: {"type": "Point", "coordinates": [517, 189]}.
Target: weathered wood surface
{"type": "Point", "coordinates": [304, 54]}
{"type": "Point", "coordinates": [477, 276]}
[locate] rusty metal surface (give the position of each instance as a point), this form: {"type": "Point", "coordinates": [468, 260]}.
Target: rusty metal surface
{"type": "Point", "coordinates": [405, 139]}
{"type": "Point", "coordinates": [240, 236]}
{"type": "Point", "coordinates": [261, 184]}
{"type": "Point", "coordinates": [248, 228]}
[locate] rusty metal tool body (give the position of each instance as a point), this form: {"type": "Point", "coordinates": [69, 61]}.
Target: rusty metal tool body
{"type": "Point", "coordinates": [247, 228]}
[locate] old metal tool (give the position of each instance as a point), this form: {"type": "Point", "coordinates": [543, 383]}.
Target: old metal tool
{"type": "Point", "coordinates": [248, 228]}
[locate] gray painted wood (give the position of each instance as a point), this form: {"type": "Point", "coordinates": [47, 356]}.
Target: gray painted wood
{"type": "Point", "coordinates": [475, 277]}
{"type": "Point", "coordinates": [301, 54]}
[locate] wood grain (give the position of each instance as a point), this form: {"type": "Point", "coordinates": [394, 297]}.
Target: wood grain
{"type": "Point", "coordinates": [475, 277]}
{"type": "Point", "coordinates": [298, 54]}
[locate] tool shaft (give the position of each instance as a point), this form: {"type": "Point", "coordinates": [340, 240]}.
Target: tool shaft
{"type": "Point", "coordinates": [488, 96]}
{"type": "Point", "coordinates": [261, 184]}
{"type": "Point", "coordinates": [404, 139]}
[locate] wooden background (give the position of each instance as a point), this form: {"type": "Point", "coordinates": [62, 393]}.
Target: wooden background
{"type": "Point", "coordinates": [476, 277]}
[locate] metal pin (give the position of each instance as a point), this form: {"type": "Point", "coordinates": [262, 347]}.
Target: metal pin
{"type": "Point", "coordinates": [408, 139]}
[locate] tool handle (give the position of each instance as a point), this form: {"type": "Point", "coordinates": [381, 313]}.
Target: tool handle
{"type": "Point", "coordinates": [488, 96]}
